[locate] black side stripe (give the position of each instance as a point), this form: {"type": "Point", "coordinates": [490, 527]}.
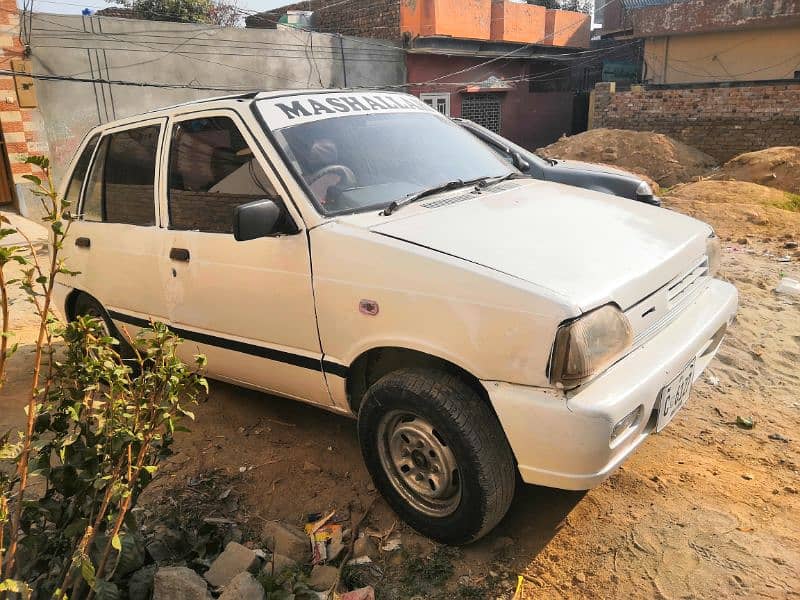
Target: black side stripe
{"type": "Point", "coordinates": [288, 358]}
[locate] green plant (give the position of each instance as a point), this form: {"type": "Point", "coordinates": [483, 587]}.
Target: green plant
{"type": "Point", "coordinates": [289, 584]}
{"type": "Point", "coordinates": [791, 202]}
{"type": "Point", "coordinates": [37, 282]}
{"type": "Point", "coordinates": [214, 12]}
{"type": "Point", "coordinates": [94, 436]}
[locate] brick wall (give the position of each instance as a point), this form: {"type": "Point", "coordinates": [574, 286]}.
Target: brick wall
{"type": "Point", "coordinates": [22, 127]}
{"type": "Point", "coordinates": [696, 16]}
{"type": "Point", "coordinates": [378, 19]}
{"type": "Point", "coordinates": [721, 121]}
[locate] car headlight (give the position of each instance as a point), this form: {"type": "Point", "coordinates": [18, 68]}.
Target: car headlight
{"type": "Point", "coordinates": [586, 346]}
{"type": "Point", "coordinates": [644, 189]}
{"type": "Point", "coordinates": [714, 254]}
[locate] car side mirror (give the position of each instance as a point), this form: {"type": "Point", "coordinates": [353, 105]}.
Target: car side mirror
{"type": "Point", "coordinates": [519, 162]}
{"type": "Point", "coordinates": [255, 220]}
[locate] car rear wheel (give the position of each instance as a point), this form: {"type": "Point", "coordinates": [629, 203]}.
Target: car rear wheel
{"type": "Point", "coordinates": [437, 453]}
{"type": "Point", "coordinates": [86, 306]}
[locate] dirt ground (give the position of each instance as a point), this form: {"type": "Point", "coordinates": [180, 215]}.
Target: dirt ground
{"type": "Point", "coordinates": [705, 509]}
{"type": "Point", "coordinates": [777, 167]}
{"type": "Point", "coordinates": [663, 159]}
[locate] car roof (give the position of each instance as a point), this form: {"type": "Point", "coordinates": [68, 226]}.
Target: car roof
{"type": "Point", "coordinates": [225, 100]}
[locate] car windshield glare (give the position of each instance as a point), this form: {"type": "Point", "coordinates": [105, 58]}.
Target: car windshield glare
{"type": "Point", "coordinates": [355, 162]}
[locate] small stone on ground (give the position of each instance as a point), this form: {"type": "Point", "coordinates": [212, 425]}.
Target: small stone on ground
{"type": "Point", "coordinates": [234, 559]}
{"type": "Point", "coordinates": [243, 587]}
{"type": "Point", "coordinates": [287, 540]}
{"type": "Point", "coordinates": [179, 583]}
{"type": "Point", "coordinates": [281, 563]}
{"type": "Point", "coordinates": [323, 578]}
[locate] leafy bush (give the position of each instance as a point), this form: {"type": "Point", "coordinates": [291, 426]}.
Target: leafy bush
{"type": "Point", "coordinates": [96, 431]}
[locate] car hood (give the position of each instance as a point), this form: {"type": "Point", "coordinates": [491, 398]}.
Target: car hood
{"type": "Point", "coordinates": [577, 165]}
{"type": "Point", "coordinates": [588, 247]}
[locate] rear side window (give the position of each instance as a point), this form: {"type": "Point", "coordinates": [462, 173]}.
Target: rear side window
{"type": "Point", "coordinates": [212, 170]}
{"type": "Point", "coordinates": [121, 187]}
{"type": "Point", "coordinates": [79, 173]}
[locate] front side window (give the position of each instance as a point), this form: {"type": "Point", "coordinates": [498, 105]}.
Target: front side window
{"type": "Point", "coordinates": [121, 187]}
{"type": "Point", "coordinates": [212, 170]}
{"type": "Point", "coordinates": [363, 151]}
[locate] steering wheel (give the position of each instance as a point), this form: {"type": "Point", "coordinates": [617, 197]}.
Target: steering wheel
{"type": "Point", "coordinates": [347, 175]}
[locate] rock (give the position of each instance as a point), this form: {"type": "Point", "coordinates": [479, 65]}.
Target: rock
{"type": "Point", "coordinates": [747, 476]}
{"type": "Point", "coordinates": [365, 593]}
{"type": "Point", "coordinates": [243, 587]}
{"type": "Point", "coordinates": [179, 583]}
{"type": "Point", "coordinates": [287, 540]}
{"type": "Point", "coordinates": [280, 562]}
{"type": "Point", "coordinates": [788, 286]}
{"type": "Point", "coordinates": [158, 550]}
{"type": "Point", "coordinates": [364, 546]}
{"type": "Point", "coordinates": [234, 559]}
{"type": "Point", "coordinates": [322, 578]}
{"type": "Point", "coordinates": [790, 245]}
{"type": "Point", "coordinates": [743, 241]}
{"type": "Point", "coordinates": [140, 584]}
{"type": "Point", "coordinates": [778, 438]}
{"type": "Point", "coordinates": [310, 467]}
{"type": "Point", "coordinates": [580, 577]}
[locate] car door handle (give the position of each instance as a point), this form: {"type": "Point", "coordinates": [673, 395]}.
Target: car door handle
{"type": "Point", "coordinates": [83, 242]}
{"type": "Point", "coordinates": [181, 254]}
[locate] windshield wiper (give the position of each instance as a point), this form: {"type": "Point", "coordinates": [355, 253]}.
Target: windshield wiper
{"type": "Point", "coordinates": [442, 187]}
{"type": "Point", "coordinates": [487, 181]}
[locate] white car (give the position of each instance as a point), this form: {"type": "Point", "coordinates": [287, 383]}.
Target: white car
{"type": "Point", "coordinates": [361, 252]}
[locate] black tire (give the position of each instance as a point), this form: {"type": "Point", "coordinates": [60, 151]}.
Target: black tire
{"type": "Point", "coordinates": [86, 306]}
{"type": "Point", "coordinates": [465, 426]}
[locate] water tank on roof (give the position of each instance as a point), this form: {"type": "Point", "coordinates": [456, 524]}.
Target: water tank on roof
{"type": "Point", "coordinates": [297, 19]}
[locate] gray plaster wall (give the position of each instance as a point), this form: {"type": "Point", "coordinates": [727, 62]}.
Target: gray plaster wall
{"type": "Point", "coordinates": [200, 61]}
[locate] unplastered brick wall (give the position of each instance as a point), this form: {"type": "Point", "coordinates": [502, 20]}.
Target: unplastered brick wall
{"type": "Point", "coordinates": [23, 129]}
{"type": "Point", "coordinates": [378, 19]}
{"type": "Point", "coordinates": [719, 120]}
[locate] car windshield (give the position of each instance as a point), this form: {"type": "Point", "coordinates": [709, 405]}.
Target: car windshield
{"type": "Point", "coordinates": [367, 160]}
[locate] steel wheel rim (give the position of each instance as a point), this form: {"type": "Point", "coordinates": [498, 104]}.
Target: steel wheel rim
{"type": "Point", "coordinates": [419, 463]}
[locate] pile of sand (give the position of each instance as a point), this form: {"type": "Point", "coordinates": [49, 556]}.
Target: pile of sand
{"type": "Point", "coordinates": [739, 209]}
{"type": "Point", "coordinates": [658, 156]}
{"type": "Point", "coordinates": [777, 167]}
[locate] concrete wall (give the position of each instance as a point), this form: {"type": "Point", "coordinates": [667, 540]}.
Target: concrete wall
{"type": "Point", "coordinates": [184, 55]}
{"type": "Point", "coordinates": [741, 55]}
{"type": "Point", "coordinates": [722, 121]}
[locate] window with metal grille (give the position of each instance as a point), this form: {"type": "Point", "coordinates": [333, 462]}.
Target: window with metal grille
{"type": "Point", "coordinates": [483, 109]}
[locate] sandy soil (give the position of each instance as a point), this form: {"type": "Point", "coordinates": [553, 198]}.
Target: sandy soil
{"type": "Point", "coordinates": [739, 209]}
{"type": "Point", "coordinates": [656, 155]}
{"type": "Point", "coordinates": [704, 509]}
{"type": "Point", "coordinates": [777, 167]}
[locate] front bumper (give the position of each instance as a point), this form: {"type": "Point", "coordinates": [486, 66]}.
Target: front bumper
{"type": "Point", "coordinates": [564, 440]}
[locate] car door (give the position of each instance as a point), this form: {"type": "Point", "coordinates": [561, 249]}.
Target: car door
{"type": "Point", "coordinates": [248, 306]}
{"type": "Point", "coordinates": [115, 243]}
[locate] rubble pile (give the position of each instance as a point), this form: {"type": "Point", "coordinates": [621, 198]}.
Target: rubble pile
{"type": "Point", "coordinates": [196, 545]}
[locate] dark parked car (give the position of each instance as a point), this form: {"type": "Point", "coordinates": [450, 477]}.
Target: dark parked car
{"type": "Point", "coordinates": [570, 172]}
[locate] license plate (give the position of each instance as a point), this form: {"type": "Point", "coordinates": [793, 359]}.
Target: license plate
{"type": "Point", "coordinates": [674, 395]}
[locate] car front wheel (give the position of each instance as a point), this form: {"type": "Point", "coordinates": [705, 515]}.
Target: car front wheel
{"type": "Point", "coordinates": [437, 453]}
